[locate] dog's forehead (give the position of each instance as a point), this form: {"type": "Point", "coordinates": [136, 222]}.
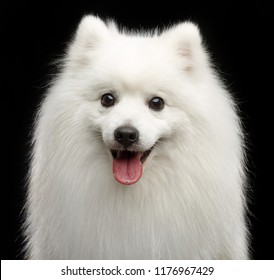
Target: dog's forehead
{"type": "Point", "coordinates": [136, 62]}
{"type": "Point", "coordinates": [134, 53]}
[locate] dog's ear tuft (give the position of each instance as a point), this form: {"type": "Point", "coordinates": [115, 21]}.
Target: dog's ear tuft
{"type": "Point", "coordinates": [187, 38]}
{"type": "Point", "coordinates": [186, 41]}
{"type": "Point", "coordinates": [91, 33]}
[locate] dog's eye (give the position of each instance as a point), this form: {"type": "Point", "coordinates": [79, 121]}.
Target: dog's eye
{"type": "Point", "coordinates": [156, 103]}
{"type": "Point", "coordinates": [107, 100]}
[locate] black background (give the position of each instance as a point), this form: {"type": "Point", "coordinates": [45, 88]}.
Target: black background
{"type": "Point", "coordinates": [35, 33]}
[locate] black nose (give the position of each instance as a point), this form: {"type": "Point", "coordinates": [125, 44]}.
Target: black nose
{"type": "Point", "coordinates": [126, 135]}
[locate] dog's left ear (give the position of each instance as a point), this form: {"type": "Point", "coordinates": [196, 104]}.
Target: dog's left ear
{"type": "Point", "coordinates": [186, 41]}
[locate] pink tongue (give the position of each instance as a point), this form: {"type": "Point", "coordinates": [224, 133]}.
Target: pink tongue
{"type": "Point", "coordinates": [127, 170]}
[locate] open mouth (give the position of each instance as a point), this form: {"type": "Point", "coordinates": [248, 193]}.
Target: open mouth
{"type": "Point", "coordinates": [129, 154]}
{"type": "Point", "coordinates": [128, 165]}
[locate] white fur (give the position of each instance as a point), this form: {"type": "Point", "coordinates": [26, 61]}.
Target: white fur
{"type": "Point", "coordinates": [190, 201]}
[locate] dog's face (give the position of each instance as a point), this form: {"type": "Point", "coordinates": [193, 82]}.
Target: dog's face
{"type": "Point", "coordinates": [132, 124]}
{"type": "Point", "coordinates": [133, 115]}
{"type": "Point", "coordinates": [138, 86]}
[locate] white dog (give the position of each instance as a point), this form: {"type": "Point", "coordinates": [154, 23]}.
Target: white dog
{"type": "Point", "coordinates": [137, 152]}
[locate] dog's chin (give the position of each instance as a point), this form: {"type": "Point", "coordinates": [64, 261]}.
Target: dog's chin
{"type": "Point", "coordinates": [128, 164]}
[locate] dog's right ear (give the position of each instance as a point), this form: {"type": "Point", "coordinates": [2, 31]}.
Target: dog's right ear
{"type": "Point", "coordinates": [91, 32]}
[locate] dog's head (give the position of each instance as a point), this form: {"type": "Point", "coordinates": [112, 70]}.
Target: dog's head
{"type": "Point", "coordinates": [135, 86]}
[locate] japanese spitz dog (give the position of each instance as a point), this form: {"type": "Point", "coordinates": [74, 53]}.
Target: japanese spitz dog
{"type": "Point", "coordinates": [138, 152]}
